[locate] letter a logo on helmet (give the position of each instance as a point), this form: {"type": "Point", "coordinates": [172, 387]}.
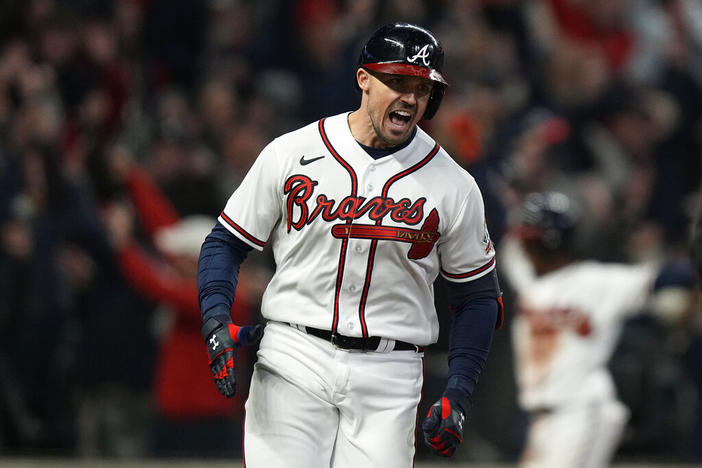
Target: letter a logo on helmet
{"type": "Point", "coordinates": [407, 49]}
{"type": "Point", "coordinates": [422, 54]}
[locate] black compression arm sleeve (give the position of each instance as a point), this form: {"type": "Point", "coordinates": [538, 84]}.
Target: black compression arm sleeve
{"type": "Point", "coordinates": [474, 306]}
{"type": "Point", "coordinates": [218, 271]}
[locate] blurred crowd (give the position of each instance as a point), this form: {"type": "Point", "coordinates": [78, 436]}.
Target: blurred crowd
{"type": "Point", "coordinates": [123, 122]}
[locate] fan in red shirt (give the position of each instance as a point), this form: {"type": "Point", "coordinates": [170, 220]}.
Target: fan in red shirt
{"type": "Point", "coordinates": [188, 404]}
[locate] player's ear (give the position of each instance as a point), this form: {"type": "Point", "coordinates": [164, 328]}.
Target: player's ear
{"type": "Point", "coordinates": [363, 79]}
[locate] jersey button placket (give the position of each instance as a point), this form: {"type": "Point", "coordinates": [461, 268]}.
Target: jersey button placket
{"type": "Point", "coordinates": [368, 187]}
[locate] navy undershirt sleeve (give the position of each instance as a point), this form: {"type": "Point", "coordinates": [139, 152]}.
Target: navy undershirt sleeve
{"type": "Point", "coordinates": [221, 256]}
{"type": "Point", "coordinates": [475, 309]}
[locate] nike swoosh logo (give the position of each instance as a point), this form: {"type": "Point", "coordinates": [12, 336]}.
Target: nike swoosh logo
{"type": "Point", "coordinates": [304, 161]}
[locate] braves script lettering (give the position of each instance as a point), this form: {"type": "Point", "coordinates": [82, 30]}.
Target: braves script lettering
{"type": "Point", "coordinates": [301, 211]}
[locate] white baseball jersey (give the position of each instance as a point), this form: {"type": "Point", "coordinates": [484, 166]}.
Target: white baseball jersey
{"type": "Point", "coordinates": [358, 242]}
{"type": "Point", "coordinates": [567, 326]}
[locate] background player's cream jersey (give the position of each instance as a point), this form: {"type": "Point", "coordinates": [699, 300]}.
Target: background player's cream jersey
{"type": "Point", "coordinates": [358, 242]}
{"type": "Point", "coordinates": [567, 326]}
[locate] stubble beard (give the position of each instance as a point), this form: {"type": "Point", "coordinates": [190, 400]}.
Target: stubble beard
{"type": "Point", "coordinates": [378, 132]}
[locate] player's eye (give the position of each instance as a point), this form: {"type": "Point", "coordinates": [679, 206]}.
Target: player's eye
{"type": "Point", "coordinates": [424, 88]}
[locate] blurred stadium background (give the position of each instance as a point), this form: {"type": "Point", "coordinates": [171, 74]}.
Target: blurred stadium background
{"type": "Point", "coordinates": [118, 114]}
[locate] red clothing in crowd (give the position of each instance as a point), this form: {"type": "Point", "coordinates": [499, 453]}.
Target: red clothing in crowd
{"type": "Point", "coordinates": [615, 40]}
{"type": "Point", "coordinates": [183, 381]}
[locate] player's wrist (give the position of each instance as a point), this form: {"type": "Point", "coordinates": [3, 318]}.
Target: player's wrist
{"type": "Point", "coordinates": [212, 324]}
{"type": "Point", "coordinates": [458, 397]}
{"type": "Point", "coordinates": [219, 337]}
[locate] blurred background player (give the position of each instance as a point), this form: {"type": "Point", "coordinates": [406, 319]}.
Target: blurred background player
{"type": "Point", "coordinates": [570, 313]}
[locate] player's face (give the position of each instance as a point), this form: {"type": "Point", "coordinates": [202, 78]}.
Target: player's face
{"type": "Point", "coordinates": [395, 103]}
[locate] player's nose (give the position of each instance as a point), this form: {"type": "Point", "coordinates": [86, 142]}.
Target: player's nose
{"type": "Point", "coordinates": [409, 96]}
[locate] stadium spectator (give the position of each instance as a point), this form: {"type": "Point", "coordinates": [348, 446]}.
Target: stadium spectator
{"type": "Point", "coordinates": [191, 420]}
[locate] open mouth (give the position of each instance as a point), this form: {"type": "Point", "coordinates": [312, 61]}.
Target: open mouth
{"type": "Point", "coordinates": [400, 117]}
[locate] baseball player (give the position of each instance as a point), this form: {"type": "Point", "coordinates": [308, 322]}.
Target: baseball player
{"type": "Point", "coordinates": [569, 317]}
{"type": "Point", "coordinates": [363, 211]}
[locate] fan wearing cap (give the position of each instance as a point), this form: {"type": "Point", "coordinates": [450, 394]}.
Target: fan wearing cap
{"type": "Point", "coordinates": [363, 211]}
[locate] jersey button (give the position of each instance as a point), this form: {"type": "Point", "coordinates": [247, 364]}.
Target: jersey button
{"type": "Point", "coordinates": [352, 288]}
{"type": "Point", "coordinates": [369, 187]}
{"type": "Point", "coordinates": [359, 249]}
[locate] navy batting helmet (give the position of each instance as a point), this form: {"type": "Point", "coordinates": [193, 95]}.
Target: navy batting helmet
{"type": "Point", "coordinates": [406, 49]}
{"type": "Point", "coordinates": [550, 219]}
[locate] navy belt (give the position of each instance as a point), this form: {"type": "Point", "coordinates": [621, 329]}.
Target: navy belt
{"type": "Point", "coordinates": [370, 343]}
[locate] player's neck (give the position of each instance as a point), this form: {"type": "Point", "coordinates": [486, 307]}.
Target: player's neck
{"type": "Point", "coordinates": [362, 130]}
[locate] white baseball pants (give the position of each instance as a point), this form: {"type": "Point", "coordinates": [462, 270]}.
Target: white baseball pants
{"type": "Point", "coordinates": [580, 435]}
{"type": "Point", "coordinates": [312, 405]}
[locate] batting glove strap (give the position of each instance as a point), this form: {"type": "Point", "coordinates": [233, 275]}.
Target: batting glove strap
{"type": "Point", "coordinates": [443, 427]}
{"type": "Point", "coordinates": [221, 338]}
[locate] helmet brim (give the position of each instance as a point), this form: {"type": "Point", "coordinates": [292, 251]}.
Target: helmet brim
{"type": "Point", "coordinates": [395, 68]}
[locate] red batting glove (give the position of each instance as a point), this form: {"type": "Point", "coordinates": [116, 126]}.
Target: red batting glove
{"type": "Point", "coordinates": [443, 427]}
{"type": "Point", "coordinates": [222, 342]}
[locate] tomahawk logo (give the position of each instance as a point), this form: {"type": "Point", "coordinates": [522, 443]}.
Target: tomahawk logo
{"type": "Point", "coordinates": [422, 54]}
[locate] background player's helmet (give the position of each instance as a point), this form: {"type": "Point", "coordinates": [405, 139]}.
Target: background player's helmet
{"type": "Point", "coordinates": [406, 49]}
{"type": "Point", "coordinates": [549, 219]}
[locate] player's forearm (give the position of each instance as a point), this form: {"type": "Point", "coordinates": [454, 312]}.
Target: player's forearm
{"type": "Point", "coordinates": [469, 344]}
{"type": "Point", "coordinates": [218, 271]}
{"type": "Point", "coordinates": [475, 309]}
{"type": "Point", "coordinates": [514, 264]}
